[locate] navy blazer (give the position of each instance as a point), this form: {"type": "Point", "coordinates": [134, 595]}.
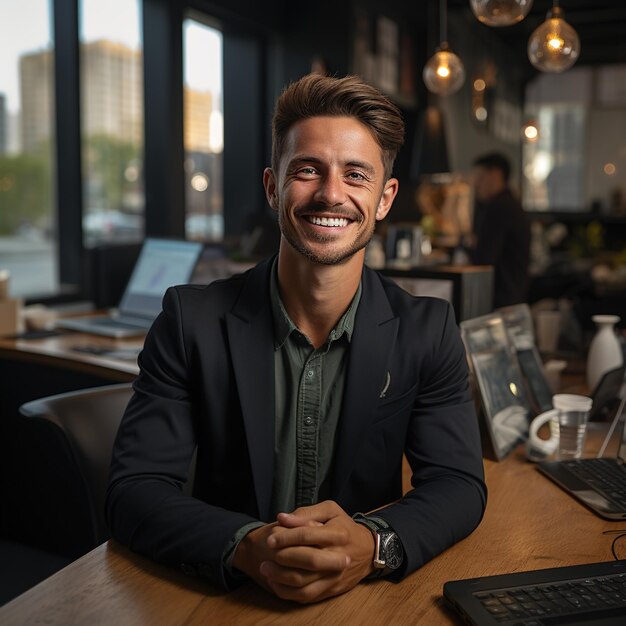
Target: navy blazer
{"type": "Point", "coordinates": [207, 380]}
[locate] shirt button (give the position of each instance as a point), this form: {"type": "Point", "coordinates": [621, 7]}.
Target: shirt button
{"type": "Point", "coordinates": [310, 373]}
{"type": "Point", "coordinates": [308, 421]}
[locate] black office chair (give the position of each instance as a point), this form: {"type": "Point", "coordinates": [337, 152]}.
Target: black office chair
{"type": "Point", "coordinates": [84, 425]}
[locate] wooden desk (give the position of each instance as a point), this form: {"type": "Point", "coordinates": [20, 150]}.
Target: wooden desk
{"type": "Point", "coordinates": [60, 352]}
{"type": "Point", "coordinates": [529, 524]}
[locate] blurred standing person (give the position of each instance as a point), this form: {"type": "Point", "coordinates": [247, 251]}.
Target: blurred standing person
{"type": "Point", "coordinates": [501, 230]}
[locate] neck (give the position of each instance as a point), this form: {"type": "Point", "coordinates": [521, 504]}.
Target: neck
{"type": "Point", "coordinates": [314, 295]}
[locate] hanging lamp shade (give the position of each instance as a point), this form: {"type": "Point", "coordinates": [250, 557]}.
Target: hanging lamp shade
{"type": "Point", "coordinates": [430, 150]}
{"type": "Point", "coordinates": [500, 12]}
{"type": "Point", "coordinates": [444, 73]}
{"type": "Point", "coordinates": [554, 46]}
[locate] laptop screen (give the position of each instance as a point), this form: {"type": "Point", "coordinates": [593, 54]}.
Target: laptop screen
{"type": "Point", "coordinates": [161, 264]}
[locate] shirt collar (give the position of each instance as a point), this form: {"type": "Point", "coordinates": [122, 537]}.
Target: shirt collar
{"type": "Point", "coordinates": [283, 325]}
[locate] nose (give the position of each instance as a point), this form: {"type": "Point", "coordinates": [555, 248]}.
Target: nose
{"type": "Point", "coordinates": [330, 191]}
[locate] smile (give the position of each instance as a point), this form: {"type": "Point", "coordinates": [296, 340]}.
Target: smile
{"type": "Point", "coordinates": [328, 221]}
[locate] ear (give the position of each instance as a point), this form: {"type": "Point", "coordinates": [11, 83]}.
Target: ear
{"type": "Point", "coordinates": [386, 200]}
{"type": "Point", "coordinates": [269, 183]}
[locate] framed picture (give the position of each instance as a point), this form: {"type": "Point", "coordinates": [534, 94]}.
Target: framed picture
{"type": "Point", "coordinates": [505, 409]}
{"type": "Point", "coordinates": [519, 326]}
{"type": "Point", "coordinates": [383, 55]}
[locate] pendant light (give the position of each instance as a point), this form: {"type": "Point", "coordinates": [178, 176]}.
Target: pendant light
{"type": "Point", "coordinates": [530, 131]}
{"type": "Point", "coordinates": [500, 12]}
{"type": "Point", "coordinates": [444, 73]}
{"type": "Point", "coordinates": [555, 45]}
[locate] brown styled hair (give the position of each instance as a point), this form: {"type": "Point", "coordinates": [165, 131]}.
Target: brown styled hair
{"type": "Point", "coordinates": [316, 95]}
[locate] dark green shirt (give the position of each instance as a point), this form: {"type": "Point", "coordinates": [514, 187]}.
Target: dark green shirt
{"type": "Point", "coordinates": [308, 387]}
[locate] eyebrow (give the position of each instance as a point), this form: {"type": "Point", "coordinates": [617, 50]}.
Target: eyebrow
{"type": "Point", "coordinates": [311, 159]}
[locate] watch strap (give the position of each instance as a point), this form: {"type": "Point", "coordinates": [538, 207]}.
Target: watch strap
{"type": "Point", "coordinates": [374, 524]}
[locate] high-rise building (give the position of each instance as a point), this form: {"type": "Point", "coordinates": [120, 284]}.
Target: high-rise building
{"type": "Point", "coordinates": [112, 93]}
{"type": "Point", "coordinates": [36, 95]}
{"type": "Point", "coordinates": [111, 97]}
{"type": "Point", "coordinates": [3, 125]}
{"type": "Point", "coordinates": [197, 111]}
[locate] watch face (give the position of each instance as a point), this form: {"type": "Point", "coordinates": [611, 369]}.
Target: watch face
{"type": "Point", "coordinates": [392, 550]}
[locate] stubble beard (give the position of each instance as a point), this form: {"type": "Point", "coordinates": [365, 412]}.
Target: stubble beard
{"type": "Point", "coordinates": [332, 257]}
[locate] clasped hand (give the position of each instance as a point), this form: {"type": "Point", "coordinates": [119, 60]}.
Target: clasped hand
{"type": "Point", "coordinates": [313, 553]}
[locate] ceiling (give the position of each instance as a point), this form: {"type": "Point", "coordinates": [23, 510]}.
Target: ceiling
{"type": "Point", "coordinates": [601, 26]}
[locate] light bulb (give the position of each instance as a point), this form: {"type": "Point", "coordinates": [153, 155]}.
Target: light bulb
{"type": "Point", "coordinates": [555, 45]}
{"type": "Point", "coordinates": [530, 131]}
{"type": "Point", "coordinates": [500, 12]}
{"type": "Point", "coordinates": [444, 73]}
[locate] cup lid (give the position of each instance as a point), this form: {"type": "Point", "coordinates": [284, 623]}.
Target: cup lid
{"type": "Point", "coordinates": [571, 402]}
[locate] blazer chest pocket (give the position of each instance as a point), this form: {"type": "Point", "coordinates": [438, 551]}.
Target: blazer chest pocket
{"type": "Point", "coordinates": [395, 405]}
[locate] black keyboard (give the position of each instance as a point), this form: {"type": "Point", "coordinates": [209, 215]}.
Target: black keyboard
{"type": "Point", "coordinates": [554, 600]}
{"type": "Point", "coordinates": [606, 476]}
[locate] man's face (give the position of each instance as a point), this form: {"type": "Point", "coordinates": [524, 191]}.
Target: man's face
{"type": "Point", "coordinates": [330, 188]}
{"type": "Point", "coordinates": [488, 182]}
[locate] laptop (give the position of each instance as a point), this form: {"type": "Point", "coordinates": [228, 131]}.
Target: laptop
{"type": "Point", "coordinates": [582, 595]}
{"type": "Point", "coordinates": [598, 483]}
{"type": "Point", "coordinates": [162, 263]}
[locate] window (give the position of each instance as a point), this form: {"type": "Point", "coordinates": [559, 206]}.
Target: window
{"type": "Point", "coordinates": [554, 162]}
{"type": "Point", "coordinates": [203, 131]}
{"type": "Point", "coordinates": [28, 246]}
{"type": "Point", "coordinates": [111, 79]}
{"type": "Point", "coordinates": [578, 158]}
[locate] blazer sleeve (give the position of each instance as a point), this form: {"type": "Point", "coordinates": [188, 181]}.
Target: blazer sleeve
{"type": "Point", "coordinates": [443, 448]}
{"type": "Point", "coordinates": [145, 507]}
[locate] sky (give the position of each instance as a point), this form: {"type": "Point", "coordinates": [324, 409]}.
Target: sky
{"type": "Point", "coordinates": [25, 26]}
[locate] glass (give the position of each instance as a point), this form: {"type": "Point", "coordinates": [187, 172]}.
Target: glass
{"type": "Point", "coordinates": [28, 245]}
{"type": "Point", "coordinates": [554, 46]}
{"type": "Point", "coordinates": [444, 73]}
{"type": "Point", "coordinates": [500, 12]}
{"type": "Point", "coordinates": [112, 121]}
{"type": "Point", "coordinates": [203, 131]}
{"type": "Point", "coordinates": [573, 412]}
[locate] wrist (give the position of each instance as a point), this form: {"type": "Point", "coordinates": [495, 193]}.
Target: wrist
{"type": "Point", "coordinates": [388, 550]}
{"type": "Point", "coordinates": [243, 556]}
{"type": "Point", "coordinates": [369, 541]}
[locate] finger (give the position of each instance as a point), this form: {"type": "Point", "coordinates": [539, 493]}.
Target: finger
{"type": "Point", "coordinates": [289, 576]}
{"type": "Point", "coordinates": [324, 587]}
{"type": "Point", "coordinates": [321, 512]}
{"type": "Point", "coordinates": [322, 536]}
{"type": "Point", "coordinates": [288, 520]}
{"type": "Point", "coordinates": [312, 559]}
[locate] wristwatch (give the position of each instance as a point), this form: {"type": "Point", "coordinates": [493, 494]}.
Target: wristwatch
{"type": "Point", "coordinates": [389, 553]}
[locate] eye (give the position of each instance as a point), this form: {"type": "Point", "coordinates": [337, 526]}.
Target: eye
{"type": "Point", "coordinates": [357, 176]}
{"type": "Point", "coordinates": [306, 171]}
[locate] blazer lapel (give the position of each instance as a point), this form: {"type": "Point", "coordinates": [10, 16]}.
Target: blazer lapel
{"type": "Point", "coordinates": [370, 352]}
{"type": "Point", "coordinates": [250, 335]}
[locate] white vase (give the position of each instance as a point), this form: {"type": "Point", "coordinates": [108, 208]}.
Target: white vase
{"type": "Point", "coordinates": [605, 351]}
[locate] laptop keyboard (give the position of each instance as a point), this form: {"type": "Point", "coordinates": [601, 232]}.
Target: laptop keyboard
{"type": "Point", "coordinates": [520, 604]}
{"type": "Point", "coordinates": [606, 476]}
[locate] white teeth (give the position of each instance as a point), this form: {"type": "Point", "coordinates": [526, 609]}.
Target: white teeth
{"type": "Point", "coordinates": [329, 221]}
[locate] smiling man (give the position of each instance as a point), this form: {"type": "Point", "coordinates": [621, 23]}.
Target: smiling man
{"type": "Point", "coordinates": [302, 383]}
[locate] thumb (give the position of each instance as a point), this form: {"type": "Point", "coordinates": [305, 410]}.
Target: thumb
{"type": "Point", "coordinates": [309, 515]}
{"type": "Point", "coordinates": [293, 520]}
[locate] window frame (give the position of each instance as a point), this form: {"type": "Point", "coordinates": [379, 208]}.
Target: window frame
{"type": "Point", "coordinates": [247, 99]}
